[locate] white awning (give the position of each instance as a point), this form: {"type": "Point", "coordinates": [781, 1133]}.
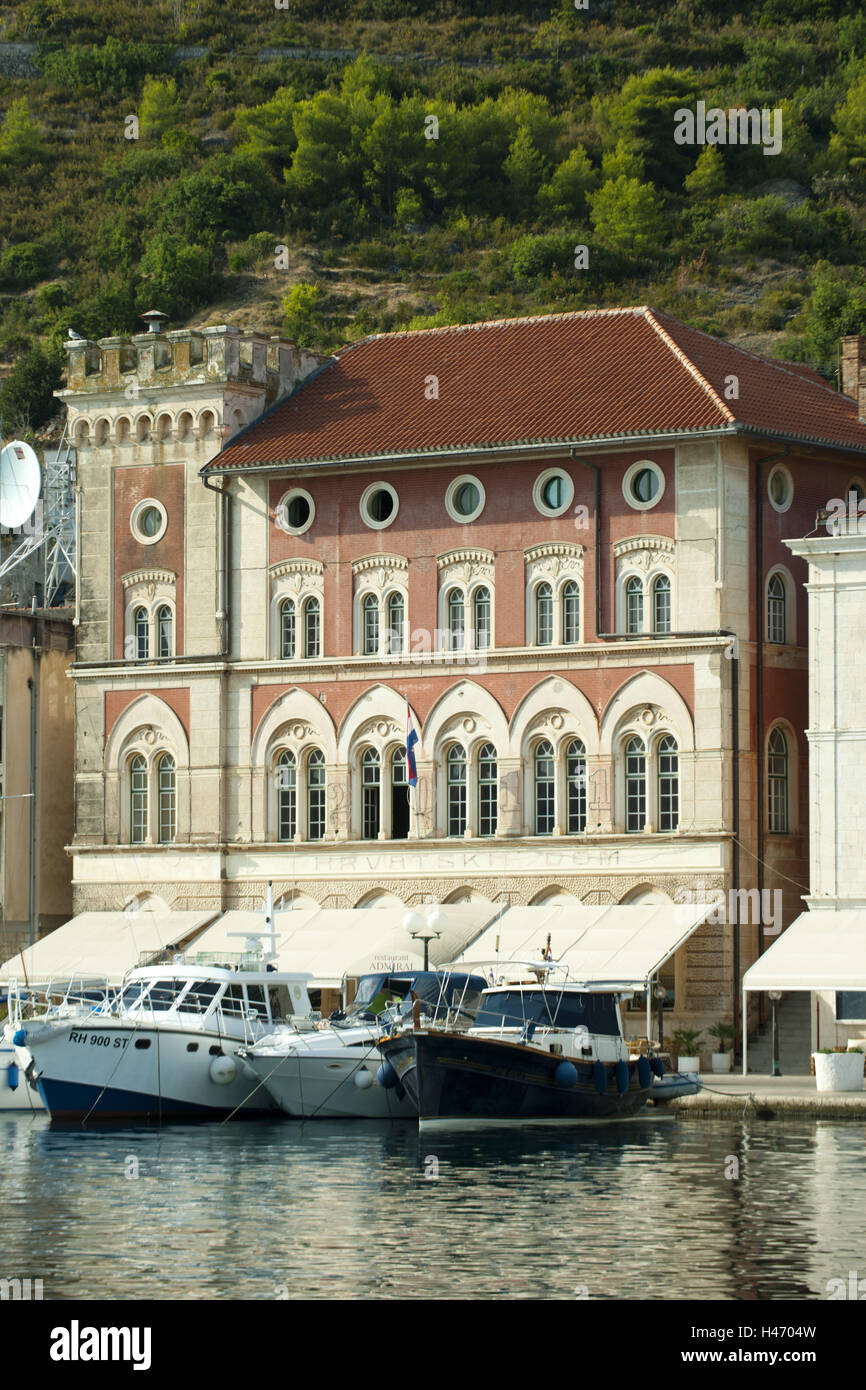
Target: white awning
{"type": "Point", "coordinates": [102, 945]}
{"type": "Point", "coordinates": [331, 943]}
{"type": "Point", "coordinates": [618, 945]}
{"type": "Point", "coordinates": [820, 950]}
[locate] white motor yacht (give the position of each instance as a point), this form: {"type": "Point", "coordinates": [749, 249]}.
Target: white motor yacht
{"type": "Point", "coordinates": [167, 1047]}
{"type": "Point", "coordinates": [336, 1071]}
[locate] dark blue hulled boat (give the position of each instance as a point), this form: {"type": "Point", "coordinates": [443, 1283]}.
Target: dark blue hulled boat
{"type": "Point", "coordinates": [537, 1050]}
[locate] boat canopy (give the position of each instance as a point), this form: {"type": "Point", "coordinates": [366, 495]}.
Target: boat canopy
{"type": "Point", "coordinates": [102, 944]}
{"type": "Point", "coordinates": [615, 946]}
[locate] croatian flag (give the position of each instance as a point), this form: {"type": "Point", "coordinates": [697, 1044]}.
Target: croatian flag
{"type": "Point", "coordinates": [411, 741]}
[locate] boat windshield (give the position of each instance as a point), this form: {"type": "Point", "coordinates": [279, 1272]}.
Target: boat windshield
{"type": "Point", "coordinates": [549, 1008]}
{"type": "Point", "coordinates": [198, 997]}
{"type": "Point", "coordinates": [376, 992]}
{"type": "Point", "coordinates": [163, 994]}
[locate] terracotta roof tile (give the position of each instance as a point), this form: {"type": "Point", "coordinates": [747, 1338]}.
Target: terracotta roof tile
{"type": "Point", "coordinates": [563, 377]}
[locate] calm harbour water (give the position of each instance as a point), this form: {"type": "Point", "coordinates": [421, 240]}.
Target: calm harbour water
{"type": "Point", "coordinates": [259, 1210]}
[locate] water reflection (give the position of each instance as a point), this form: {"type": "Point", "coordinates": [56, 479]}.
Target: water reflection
{"type": "Point", "coordinates": [356, 1210]}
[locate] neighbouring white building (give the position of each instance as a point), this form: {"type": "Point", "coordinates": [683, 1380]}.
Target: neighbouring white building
{"type": "Point", "coordinates": [824, 951]}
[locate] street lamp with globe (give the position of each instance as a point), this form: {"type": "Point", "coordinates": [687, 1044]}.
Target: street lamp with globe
{"type": "Point", "coordinates": [426, 928]}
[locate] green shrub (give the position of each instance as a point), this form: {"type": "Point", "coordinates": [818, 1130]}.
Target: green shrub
{"type": "Point", "coordinates": [176, 274]}
{"type": "Point", "coordinates": [24, 265]}
{"type": "Point", "coordinates": [26, 399]}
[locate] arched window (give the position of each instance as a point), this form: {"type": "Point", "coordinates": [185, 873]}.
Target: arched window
{"type": "Point", "coordinates": [137, 799]}
{"type": "Point", "coordinates": [287, 629]}
{"type": "Point", "coordinates": [575, 780]}
{"type": "Point", "coordinates": [668, 784]}
{"type": "Point", "coordinates": [776, 609]}
{"type": "Point", "coordinates": [315, 795]}
{"type": "Point", "coordinates": [287, 795]}
{"type": "Point", "coordinates": [487, 790]}
{"type": "Point", "coordinates": [481, 618]}
{"type": "Point", "coordinates": [456, 765]}
{"type": "Point", "coordinates": [661, 604]}
{"type": "Point", "coordinates": [141, 622]}
{"type": "Point", "coordinates": [777, 783]}
{"type": "Point", "coordinates": [312, 627]}
{"type": "Point", "coordinates": [545, 788]}
{"type": "Point", "coordinates": [396, 623]}
{"type": "Point", "coordinates": [370, 787]}
{"type": "Point", "coordinates": [371, 625]}
{"type": "Point", "coordinates": [456, 620]}
{"type": "Point", "coordinates": [164, 627]}
{"type": "Point", "coordinates": [543, 615]}
{"type": "Point", "coordinates": [634, 604]}
{"type": "Point", "coordinates": [399, 796]}
{"type": "Point", "coordinates": [635, 785]}
{"type": "Point", "coordinates": [166, 791]}
{"type": "Point", "coordinates": [570, 612]}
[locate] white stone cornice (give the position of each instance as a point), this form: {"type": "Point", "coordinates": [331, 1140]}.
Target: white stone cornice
{"type": "Point", "coordinates": [466, 564]}
{"type": "Point", "coordinates": [148, 576]}
{"type": "Point", "coordinates": [562, 549]}
{"type": "Point", "coordinates": [393, 563]}
{"type": "Point", "coordinates": [301, 566]}
{"type": "Point", "coordinates": [659, 545]}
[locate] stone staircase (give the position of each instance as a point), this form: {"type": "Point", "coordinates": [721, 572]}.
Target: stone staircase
{"type": "Point", "coordinates": [795, 1038]}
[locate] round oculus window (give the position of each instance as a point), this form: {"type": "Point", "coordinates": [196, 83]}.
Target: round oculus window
{"type": "Point", "coordinates": [553, 492]}
{"type": "Point", "coordinates": [148, 521]}
{"type": "Point", "coordinates": [379, 505]}
{"type": "Point", "coordinates": [643, 485]}
{"type": "Point", "coordinates": [465, 498]}
{"type": "Point", "coordinates": [296, 512]}
{"type": "Point", "coordinates": [780, 489]}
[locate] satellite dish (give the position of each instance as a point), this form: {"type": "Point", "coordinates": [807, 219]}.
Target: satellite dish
{"type": "Point", "coordinates": [20, 483]}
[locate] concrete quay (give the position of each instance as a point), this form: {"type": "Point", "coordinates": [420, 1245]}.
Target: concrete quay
{"type": "Point", "coordinates": [769, 1098]}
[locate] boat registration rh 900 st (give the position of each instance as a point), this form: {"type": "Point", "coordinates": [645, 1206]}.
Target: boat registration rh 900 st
{"type": "Point", "coordinates": [97, 1039]}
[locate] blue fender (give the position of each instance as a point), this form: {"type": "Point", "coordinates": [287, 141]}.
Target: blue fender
{"type": "Point", "coordinates": [566, 1074]}
{"type": "Point", "coordinates": [599, 1076]}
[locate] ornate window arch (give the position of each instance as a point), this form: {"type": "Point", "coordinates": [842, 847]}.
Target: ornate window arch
{"type": "Point", "coordinates": [381, 602]}
{"type": "Point", "coordinates": [645, 577]}
{"type": "Point", "coordinates": [648, 775]}
{"type": "Point", "coordinates": [554, 586]}
{"type": "Point", "coordinates": [150, 607]}
{"type": "Point", "coordinates": [295, 723]}
{"type": "Point", "coordinates": [147, 775]}
{"type": "Point", "coordinates": [467, 606]}
{"type": "Point", "coordinates": [300, 583]}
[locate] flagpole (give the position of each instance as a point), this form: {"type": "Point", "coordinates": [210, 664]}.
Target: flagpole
{"type": "Point", "coordinates": [415, 788]}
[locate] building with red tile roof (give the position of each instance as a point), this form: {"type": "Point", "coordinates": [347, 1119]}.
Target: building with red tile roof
{"type": "Point", "coordinates": [555, 543]}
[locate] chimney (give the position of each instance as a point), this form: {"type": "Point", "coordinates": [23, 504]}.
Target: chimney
{"type": "Point", "coordinates": [853, 359]}
{"type": "Point", "coordinates": [155, 321]}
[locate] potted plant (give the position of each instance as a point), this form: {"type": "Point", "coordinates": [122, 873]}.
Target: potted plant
{"type": "Point", "coordinates": [724, 1034]}
{"type": "Point", "coordinates": [838, 1070]}
{"type": "Point", "coordinates": [688, 1043]}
